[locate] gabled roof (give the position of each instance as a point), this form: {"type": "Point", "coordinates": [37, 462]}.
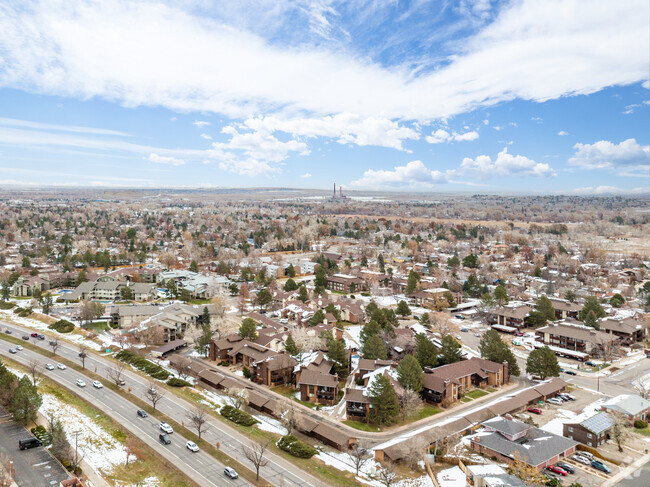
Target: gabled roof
{"type": "Point", "coordinates": [506, 426]}
{"type": "Point", "coordinates": [315, 378]}
{"type": "Point", "coordinates": [628, 404]}
{"type": "Point", "coordinates": [598, 423]}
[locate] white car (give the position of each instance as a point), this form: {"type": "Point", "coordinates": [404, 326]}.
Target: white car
{"type": "Point", "coordinates": [49, 366]}
{"type": "Point", "coordinates": [81, 383]}
{"type": "Point", "coordinates": [19, 347]}
{"type": "Point", "coordinates": [97, 384]}
{"type": "Point", "coordinates": [61, 366]}
{"type": "Point", "coordinates": [166, 428]}
{"type": "Point", "coordinates": [554, 400]}
{"type": "Point", "coordinates": [192, 446]}
{"type": "Point", "coordinates": [581, 459]}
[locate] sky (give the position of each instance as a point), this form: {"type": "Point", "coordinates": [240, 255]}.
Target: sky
{"type": "Point", "coordinates": [480, 96]}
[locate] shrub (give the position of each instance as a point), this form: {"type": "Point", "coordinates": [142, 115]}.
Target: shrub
{"type": "Point", "coordinates": [23, 312]}
{"type": "Point", "coordinates": [225, 363]}
{"type": "Point", "coordinates": [295, 447]}
{"type": "Point", "coordinates": [41, 433]}
{"type": "Point", "coordinates": [238, 416]}
{"type": "Point", "coordinates": [640, 424]}
{"type": "Point", "coordinates": [140, 363]}
{"type": "Point", "coordinates": [360, 381]}
{"type": "Point", "coordinates": [176, 382]}
{"type": "Point", "coordinates": [247, 373]}
{"type": "Point", "coordinates": [62, 326]}
{"type": "Point", "coordinates": [6, 305]}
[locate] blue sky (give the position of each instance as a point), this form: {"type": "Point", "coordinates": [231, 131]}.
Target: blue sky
{"type": "Point", "coordinates": [469, 96]}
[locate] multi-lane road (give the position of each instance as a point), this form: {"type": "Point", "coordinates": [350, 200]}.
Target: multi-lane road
{"type": "Point", "coordinates": [201, 467]}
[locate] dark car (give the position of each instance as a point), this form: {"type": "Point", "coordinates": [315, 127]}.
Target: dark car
{"type": "Point", "coordinates": [142, 413]}
{"type": "Point", "coordinates": [590, 363]}
{"type": "Point", "coordinates": [164, 439]}
{"type": "Point", "coordinates": [570, 372]}
{"type": "Point", "coordinates": [41, 337]}
{"type": "Point", "coordinates": [566, 467]}
{"type": "Point", "coordinates": [597, 464]}
{"type": "Point", "coordinates": [28, 443]}
{"type": "Point", "coordinates": [7, 331]}
{"type": "Point", "coordinates": [25, 337]}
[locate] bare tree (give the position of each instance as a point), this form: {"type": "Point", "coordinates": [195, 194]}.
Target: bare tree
{"type": "Point", "coordinates": [182, 366]}
{"type": "Point", "coordinates": [34, 368]}
{"type": "Point", "coordinates": [255, 454]}
{"type": "Point", "coordinates": [82, 355]}
{"type": "Point", "coordinates": [288, 417]}
{"type": "Point", "coordinates": [387, 474]}
{"type": "Point", "coordinates": [359, 456]}
{"type": "Point", "coordinates": [87, 312]}
{"type": "Point", "coordinates": [620, 433]}
{"type": "Point", "coordinates": [236, 397]}
{"type": "Point", "coordinates": [151, 336]}
{"type": "Point", "coordinates": [642, 387]}
{"type": "Point", "coordinates": [409, 402]}
{"type": "Point", "coordinates": [116, 374]}
{"type": "Point", "coordinates": [199, 419]}
{"type": "Point", "coordinates": [154, 394]}
{"type": "Point", "coordinates": [417, 447]}
{"type": "Point", "coordinates": [54, 344]}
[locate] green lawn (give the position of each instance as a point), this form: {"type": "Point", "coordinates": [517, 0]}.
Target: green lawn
{"type": "Point", "coordinates": [199, 301]}
{"type": "Point", "coordinates": [98, 326]}
{"type": "Point", "coordinates": [466, 399]}
{"type": "Point", "coordinates": [358, 425]}
{"type": "Point", "coordinates": [424, 412]}
{"type": "Point", "coordinates": [476, 393]}
{"type": "Point", "coordinates": [643, 431]}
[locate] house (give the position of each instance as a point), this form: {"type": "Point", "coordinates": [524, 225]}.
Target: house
{"type": "Point", "coordinates": [630, 330]}
{"type": "Point", "coordinates": [219, 348]}
{"type": "Point", "coordinates": [357, 405]}
{"type": "Point", "coordinates": [491, 476]}
{"type": "Point", "coordinates": [247, 353]}
{"type": "Point", "coordinates": [173, 320]}
{"type": "Point", "coordinates": [366, 365]}
{"type": "Point", "coordinates": [329, 435]}
{"type": "Point", "coordinates": [318, 387]}
{"type": "Point", "coordinates": [593, 431]}
{"type": "Point", "coordinates": [345, 283]}
{"type": "Point", "coordinates": [198, 285]}
{"type": "Point", "coordinates": [565, 309]}
{"type": "Point", "coordinates": [111, 290]}
{"type": "Point", "coordinates": [564, 339]}
{"type": "Point", "coordinates": [508, 440]}
{"type": "Point", "coordinates": [126, 316]}
{"type": "Point", "coordinates": [27, 286]}
{"type": "Point", "coordinates": [274, 370]}
{"type": "Point", "coordinates": [435, 297]}
{"type": "Point", "coordinates": [513, 316]}
{"type": "Point", "coordinates": [632, 406]}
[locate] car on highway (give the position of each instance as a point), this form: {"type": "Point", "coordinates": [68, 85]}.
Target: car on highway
{"type": "Point", "coordinates": [97, 384]}
{"type": "Point", "coordinates": [61, 366]}
{"type": "Point", "coordinates": [13, 350]}
{"type": "Point", "coordinates": [142, 413]}
{"type": "Point", "coordinates": [581, 459]}
{"type": "Point", "coordinates": [535, 410]}
{"type": "Point", "coordinates": [41, 337]}
{"type": "Point", "coordinates": [554, 400]}
{"type": "Point", "coordinates": [25, 337]}
{"type": "Point", "coordinates": [566, 467]}
{"type": "Point", "coordinates": [34, 335]}
{"type": "Point", "coordinates": [230, 472]}
{"type": "Point", "coordinates": [81, 383]}
{"type": "Point", "coordinates": [49, 366]}
{"type": "Point", "coordinates": [164, 439]}
{"type": "Point", "coordinates": [598, 465]}
{"type": "Point", "coordinates": [570, 372]}
{"type": "Point", "coordinates": [557, 470]}
{"type": "Point", "coordinates": [166, 428]}
{"type": "Point", "coordinates": [192, 446]}
{"type": "Point", "coordinates": [7, 331]}
{"type": "Point", "coordinates": [19, 347]}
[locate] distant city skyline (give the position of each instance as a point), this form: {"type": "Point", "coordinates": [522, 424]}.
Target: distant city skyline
{"type": "Point", "coordinates": [522, 96]}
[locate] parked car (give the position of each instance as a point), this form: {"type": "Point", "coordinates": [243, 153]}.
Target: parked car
{"type": "Point", "coordinates": [566, 467]}
{"type": "Point", "coordinates": [598, 465]}
{"type": "Point", "coordinates": [459, 317]}
{"type": "Point", "coordinates": [566, 396]}
{"type": "Point", "coordinates": [49, 366]}
{"type": "Point", "coordinates": [535, 410]}
{"type": "Point", "coordinates": [554, 400]}
{"type": "Point", "coordinates": [464, 329]}
{"type": "Point", "coordinates": [557, 470]}
{"type": "Point", "coordinates": [477, 334]}
{"type": "Point", "coordinates": [587, 455]}
{"type": "Point", "coordinates": [166, 428]}
{"type": "Point", "coordinates": [27, 443]}
{"type": "Point", "coordinates": [551, 476]}
{"type": "Point", "coordinates": [142, 413]}
{"type": "Point", "coordinates": [13, 350]}
{"type": "Point", "coordinates": [192, 446]}
{"type": "Point", "coordinates": [61, 366]}
{"type": "Point", "coordinates": [25, 337]}
{"type": "Point", "coordinates": [97, 384]}
{"type": "Point", "coordinates": [519, 334]}
{"type": "Point", "coordinates": [458, 337]}
{"type": "Point", "coordinates": [164, 439]}
{"type": "Point", "coordinates": [41, 337]}
{"type": "Point", "coordinates": [570, 372]}
{"type": "Point", "coordinates": [581, 459]}
{"type": "Point", "coordinates": [34, 335]}
{"type": "Point", "coordinates": [19, 347]}
{"type": "Point", "coordinates": [81, 383]}
{"type": "Point", "coordinates": [230, 472]}
{"type": "Point", "coordinates": [590, 363]}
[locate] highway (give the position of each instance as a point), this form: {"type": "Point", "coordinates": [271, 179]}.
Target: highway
{"type": "Point", "coordinates": [278, 471]}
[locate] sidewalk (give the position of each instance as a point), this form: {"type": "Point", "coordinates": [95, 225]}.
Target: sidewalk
{"type": "Point", "coordinates": [628, 471]}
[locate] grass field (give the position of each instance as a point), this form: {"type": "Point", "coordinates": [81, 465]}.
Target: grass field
{"type": "Point", "coordinates": [476, 393]}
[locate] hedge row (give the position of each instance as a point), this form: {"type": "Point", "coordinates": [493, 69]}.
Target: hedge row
{"type": "Point", "coordinates": [23, 312]}
{"type": "Point", "coordinates": [6, 304]}
{"type": "Point", "coordinates": [62, 326]}
{"type": "Point", "coordinates": [297, 448]}
{"type": "Point", "coordinates": [238, 416]}
{"type": "Point", "coordinates": [155, 371]}
{"type": "Point", "coordinates": [176, 382]}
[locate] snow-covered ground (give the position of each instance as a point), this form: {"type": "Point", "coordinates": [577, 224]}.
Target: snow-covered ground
{"type": "Point", "coordinates": [562, 416]}
{"type": "Point", "coordinates": [269, 424]}
{"type": "Point", "coordinates": [451, 477]}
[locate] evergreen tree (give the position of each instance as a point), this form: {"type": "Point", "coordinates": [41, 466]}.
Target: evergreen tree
{"type": "Point", "coordinates": [8, 382]}
{"type": "Point", "coordinates": [291, 347]}
{"type": "Point", "coordinates": [591, 320]}
{"type": "Point", "coordinates": [126, 293]}
{"type": "Point", "coordinates": [542, 363]}
{"type": "Point", "coordinates": [369, 329]}
{"type": "Point", "coordinates": [471, 261]}
{"type": "Point", "coordinates": [374, 348]}
{"type": "Point", "coordinates": [450, 298]}
{"type": "Point", "coordinates": [25, 402]}
{"type": "Point", "coordinates": [412, 282]}
{"type": "Point", "coordinates": [409, 373]}
{"type": "Point", "coordinates": [318, 318]}
{"type": "Point", "coordinates": [333, 310]}
{"type": "Point", "coordinates": [205, 316]}
{"type": "Point", "coordinates": [171, 290]}
{"type": "Point", "coordinates": [248, 329]}
{"type": "Point", "coordinates": [291, 271]}
{"type": "Point", "coordinates": [264, 297]}
{"type": "Point", "coordinates": [425, 351]}
{"type": "Point", "coordinates": [5, 290]}
{"type": "Point", "coordinates": [592, 304]}
{"type": "Point", "coordinates": [570, 296]}
{"type": "Point", "coordinates": [537, 272]}
{"type": "Point", "coordinates": [451, 350]}
{"type": "Point", "coordinates": [290, 285]}
{"type": "Point", "coordinates": [303, 295]}
{"type": "Point", "coordinates": [545, 307]}
{"type": "Point", "coordinates": [425, 319]}
{"type": "Point", "coordinates": [403, 308]}
{"type": "Point", "coordinates": [617, 300]}
{"type": "Point", "coordinates": [384, 406]}
{"type": "Point", "coordinates": [381, 263]}
{"type": "Point", "coordinates": [536, 319]}
{"type": "Point", "coordinates": [371, 308]}
{"type": "Point", "coordinates": [494, 349]}
{"type": "Point", "coordinates": [202, 342]}
{"type": "Point", "coordinates": [364, 261]}
{"type": "Point", "coordinates": [185, 296]}
{"type": "Point", "coordinates": [338, 355]}
{"type": "Point", "coordinates": [194, 267]}
{"type": "Point", "coordinates": [501, 295]}
{"type": "Point", "coordinates": [319, 280]}
{"type": "Point", "coordinates": [453, 262]}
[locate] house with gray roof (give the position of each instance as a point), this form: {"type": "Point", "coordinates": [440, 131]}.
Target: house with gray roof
{"type": "Point", "coordinates": [632, 406]}
{"type": "Point", "coordinates": [593, 431]}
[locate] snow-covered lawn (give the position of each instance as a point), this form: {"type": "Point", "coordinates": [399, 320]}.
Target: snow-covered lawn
{"type": "Point", "coordinates": [451, 477]}
{"type": "Point", "coordinates": [562, 416]}
{"type": "Point", "coordinates": [269, 424]}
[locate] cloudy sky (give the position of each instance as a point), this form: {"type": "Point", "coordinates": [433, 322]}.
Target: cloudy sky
{"type": "Point", "coordinates": [480, 96]}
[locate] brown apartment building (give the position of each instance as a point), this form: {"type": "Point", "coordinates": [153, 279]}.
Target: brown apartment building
{"type": "Point", "coordinates": [593, 431]}
{"type": "Point", "coordinates": [318, 388]}
{"type": "Point", "coordinates": [575, 338]}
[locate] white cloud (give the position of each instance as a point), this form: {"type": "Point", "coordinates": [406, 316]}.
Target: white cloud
{"type": "Point", "coordinates": [441, 135]}
{"type": "Point", "coordinates": [305, 176]}
{"type": "Point", "coordinates": [536, 119]}
{"type": "Point", "coordinates": [646, 84]}
{"type": "Point", "coordinates": [413, 174]}
{"type": "Point", "coordinates": [504, 165]}
{"type": "Point", "coordinates": [206, 137]}
{"type": "Point", "coordinates": [605, 154]}
{"type": "Point", "coordinates": [148, 53]}
{"type": "Point", "coordinates": [486, 122]}
{"type": "Point", "coordinates": [200, 123]}
{"type": "Point", "coordinates": [12, 122]}
{"type": "Point", "coordinates": [598, 190]}
{"type": "Point", "coordinates": [562, 133]}
{"type": "Point", "coordinates": [165, 160]}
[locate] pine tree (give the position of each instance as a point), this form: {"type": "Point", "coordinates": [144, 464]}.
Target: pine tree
{"type": "Point", "coordinates": [364, 261]}
{"type": "Point", "coordinates": [290, 285]}
{"type": "Point", "coordinates": [542, 363]}
{"type": "Point", "coordinates": [617, 300]}
{"type": "Point", "coordinates": [337, 353]}
{"type": "Point", "coordinates": [25, 401]}
{"type": "Point", "coordinates": [545, 307]}
{"type": "Point", "coordinates": [319, 280]}
{"type": "Point", "coordinates": [291, 347]}
{"type": "Point", "coordinates": [264, 297]}
{"type": "Point", "coordinates": [412, 282]}
{"type": "Point", "coordinates": [409, 373]}
{"type": "Point", "coordinates": [591, 304]}
{"type": "Point", "coordinates": [303, 295]}
{"type": "Point", "coordinates": [403, 308]}
{"type": "Point", "coordinates": [383, 400]}
{"type": "Point", "coordinates": [248, 329]}
{"type": "Point", "coordinates": [570, 296]}
{"type": "Point", "coordinates": [591, 320]}
{"type": "Point", "coordinates": [425, 351]}
{"type": "Point", "coordinates": [374, 348]}
{"type": "Point", "coordinates": [318, 318]}
{"type": "Point", "coordinates": [536, 319]}
{"type": "Point", "coordinates": [381, 263]}
{"type": "Point", "coordinates": [291, 271]}
{"type": "Point", "coordinates": [205, 316]}
{"type": "Point", "coordinates": [494, 349]}
{"type": "Point", "coordinates": [451, 350]}
{"type": "Point", "coordinates": [537, 272]}
{"type": "Point", "coordinates": [194, 267]}
{"type": "Point", "coordinates": [501, 295]}
{"type": "Point", "coordinates": [369, 329]}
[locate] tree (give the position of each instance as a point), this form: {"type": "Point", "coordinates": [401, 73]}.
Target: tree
{"type": "Point", "coordinates": [619, 432]}
{"type": "Point", "coordinates": [387, 475]}
{"type": "Point", "coordinates": [617, 300]}
{"type": "Point", "coordinates": [570, 296]}
{"type": "Point", "coordinates": [358, 456]}
{"type": "Point", "coordinates": [291, 271]}
{"type": "Point", "coordinates": [642, 387]}
{"type": "Point", "coordinates": [254, 453]}
{"type": "Point", "coordinates": [248, 329]}
{"type": "Point", "coordinates": [537, 272]}
{"type": "Point", "coordinates": [303, 295]}
{"type": "Point", "coordinates": [8, 383]}
{"type": "Point", "coordinates": [234, 290]}
{"type": "Point", "coordinates": [25, 402]}
{"type": "Point", "coordinates": [81, 277]}
{"type": "Point", "coordinates": [338, 354]}
{"type": "Point", "coordinates": [185, 295]}
{"type": "Point", "coordinates": [542, 363]}
{"type": "Point", "coordinates": [264, 297]}
{"type": "Point", "coordinates": [383, 400]}
{"type": "Point", "coordinates": [236, 397]}
{"type": "Point", "coordinates": [153, 393]}
{"type": "Point", "coordinates": [521, 468]}
{"type": "Point", "coordinates": [493, 348]}
{"type": "Point", "coordinates": [374, 348]}
{"type": "Point", "coordinates": [83, 353]}
{"type": "Point", "coordinates": [591, 320]}
{"type": "Point", "coordinates": [126, 293]}
{"type": "Point", "coordinates": [425, 319]}
{"type": "Point", "coordinates": [471, 261]}
{"type": "Point", "coordinates": [171, 289]}
{"type": "Point", "coordinates": [453, 262]}
{"type": "Point", "coordinates": [317, 318]}
{"type": "Point", "coordinates": [198, 418]}
{"type": "Point", "coordinates": [54, 344]}
{"type": "Point", "coordinates": [591, 304]}
{"type": "Point", "coordinates": [181, 365]}
{"type": "Point", "coordinates": [403, 308]}
{"type": "Point", "coordinates": [409, 402]}
{"type": "Point", "coordinates": [46, 303]}
{"type": "Point", "coordinates": [425, 351]}
{"type": "Point", "coordinates": [5, 290]}
{"type": "Point", "coordinates": [290, 346]}
{"type": "Point", "coordinates": [319, 280]}
{"type": "Point", "coordinates": [412, 282]}
{"type": "Point", "coordinates": [60, 448]}
{"type": "Point", "coordinates": [381, 263]}
{"type": "Point", "coordinates": [87, 312]}
{"type": "Point", "coordinates": [194, 267]}
{"type": "Point", "coordinates": [501, 295]}
{"type": "Point", "coordinates": [536, 319]}
{"type": "Point", "coordinates": [288, 416]}
{"type": "Point", "coordinates": [34, 369]}
{"type": "Point", "coordinates": [409, 373]}
{"type": "Point", "coordinates": [545, 307]}
{"type": "Point", "coordinates": [205, 316]}
{"type": "Point", "coordinates": [450, 299]}
{"type": "Point", "coordinates": [116, 373]}
{"type": "Point", "coordinates": [450, 351]}
{"type": "Point", "coordinates": [290, 285]}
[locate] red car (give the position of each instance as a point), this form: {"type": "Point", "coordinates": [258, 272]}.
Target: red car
{"type": "Point", "coordinates": [34, 335]}
{"type": "Point", "coordinates": [535, 410]}
{"type": "Point", "coordinates": [558, 470]}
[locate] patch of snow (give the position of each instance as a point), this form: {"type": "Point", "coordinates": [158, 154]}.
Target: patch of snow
{"type": "Point", "coordinates": [270, 424]}
{"type": "Point", "coordinates": [451, 477]}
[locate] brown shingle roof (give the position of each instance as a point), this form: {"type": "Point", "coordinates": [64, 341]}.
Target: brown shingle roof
{"type": "Point", "coordinates": [315, 378]}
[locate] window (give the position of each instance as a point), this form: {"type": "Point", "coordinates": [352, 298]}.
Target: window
{"type": "Point", "coordinates": [589, 435]}
{"type": "Point", "coordinates": [570, 429]}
